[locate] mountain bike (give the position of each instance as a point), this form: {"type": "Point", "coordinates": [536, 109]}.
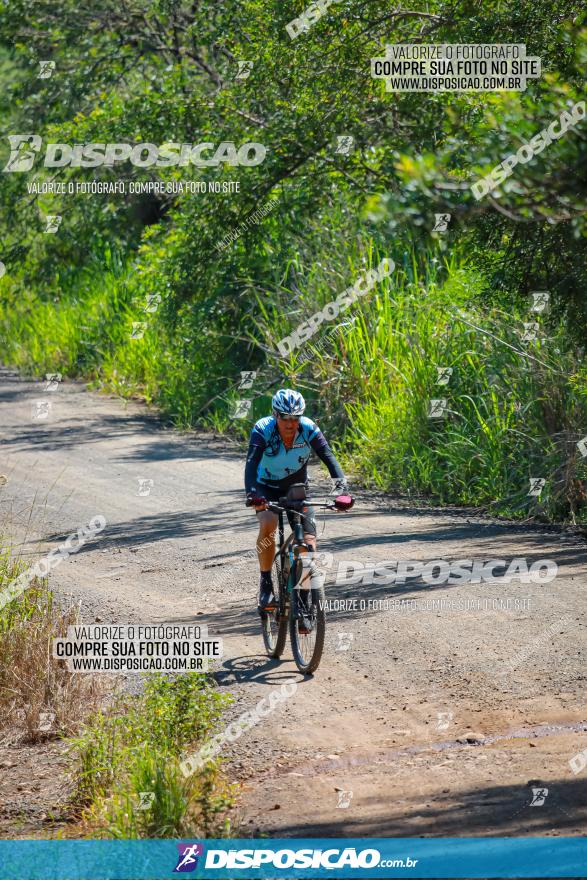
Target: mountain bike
{"type": "Point", "coordinates": [296, 603]}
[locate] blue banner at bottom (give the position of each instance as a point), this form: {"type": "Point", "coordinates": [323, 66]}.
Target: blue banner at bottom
{"type": "Point", "coordinates": [315, 857]}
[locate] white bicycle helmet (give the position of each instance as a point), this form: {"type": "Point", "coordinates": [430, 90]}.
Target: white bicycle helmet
{"type": "Point", "coordinates": [288, 402]}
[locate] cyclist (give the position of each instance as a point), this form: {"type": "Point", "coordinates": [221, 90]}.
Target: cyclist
{"type": "Point", "coordinates": [279, 448]}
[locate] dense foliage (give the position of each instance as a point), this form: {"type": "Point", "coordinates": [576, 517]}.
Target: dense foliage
{"type": "Point", "coordinates": [168, 71]}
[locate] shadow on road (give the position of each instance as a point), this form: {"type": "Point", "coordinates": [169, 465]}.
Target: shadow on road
{"type": "Point", "coordinates": [256, 670]}
{"type": "Point", "coordinates": [165, 526]}
{"type": "Point", "coordinates": [503, 809]}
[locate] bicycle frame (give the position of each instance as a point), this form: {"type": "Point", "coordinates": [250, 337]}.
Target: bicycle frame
{"type": "Point", "coordinates": [287, 547]}
{"type": "Point", "coordinates": [296, 538]}
{"type": "Point", "coordinates": [300, 609]}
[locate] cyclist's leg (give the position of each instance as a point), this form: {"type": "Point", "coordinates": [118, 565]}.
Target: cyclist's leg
{"type": "Point", "coordinates": [266, 553]}
{"type": "Point", "coordinates": [266, 538]}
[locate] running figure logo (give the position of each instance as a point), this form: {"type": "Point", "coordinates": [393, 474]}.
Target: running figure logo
{"type": "Point", "coordinates": [540, 300]}
{"type": "Point", "coordinates": [22, 159]}
{"type": "Point", "coordinates": [443, 375]}
{"type": "Point", "coordinates": [444, 719]}
{"type": "Point", "coordinates": [53, 380]}
{"type": "Point", "coordinates": [241, 409]}
{"type": "Point", "coordinates": [539, 796]}
{"type": "Point", "coordinates": [244, 69]}
{"type": "Point", "coordinates": [46, 69]}
{"type": "Point", "coordinates": [441, 222]}
{"type": "Point", "coordinates": [188, 857]}
{"type": "Point", "coordinates": [537, 484]}
{"type": "Point", "coordinates": [530, 331]}
{"type": "Point", "coordinates": [344, 144]}
{"type": "Point", "coordinates": [437, 408]}
{"type": "Point", "coordinates": [52, 222]}
{"type": "Point", "coordinates": [344, 798]}
{"type": "Point", "coordinates": [247, 378]}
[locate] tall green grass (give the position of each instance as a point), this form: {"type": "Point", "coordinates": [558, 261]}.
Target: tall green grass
{"type": "Point", "coordinates": [515, 409]}
{"type": "Point", "coordinates": [129, 784]}
{"type": "Point", "coordinates": [88, 333]}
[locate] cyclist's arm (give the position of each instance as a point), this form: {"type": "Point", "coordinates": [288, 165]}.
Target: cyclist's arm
{"type": "Point", "coordinates": [325, 454]}
{"type": "Point", "coordinates": [254, 456]}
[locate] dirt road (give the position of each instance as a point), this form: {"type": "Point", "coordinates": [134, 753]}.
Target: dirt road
{"type": "Point", "coordinates": [422, 720]}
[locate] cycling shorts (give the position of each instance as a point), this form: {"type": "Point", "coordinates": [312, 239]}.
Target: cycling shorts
{"type": "Point", "coordinates": [272, 493]}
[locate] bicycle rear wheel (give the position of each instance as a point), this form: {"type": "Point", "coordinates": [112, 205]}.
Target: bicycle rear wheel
{"type": "Point", "coordinates": [274, 623]}
{"type": "Point", "coordinates": [307, 647]}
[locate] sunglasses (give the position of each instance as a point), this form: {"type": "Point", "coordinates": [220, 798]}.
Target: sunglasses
{"type": "Point", "coordinates": [287, 418]}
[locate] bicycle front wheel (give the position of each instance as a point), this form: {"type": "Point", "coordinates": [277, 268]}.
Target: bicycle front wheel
{"type": "Point", "coordinates": [274, 623]}
{"type": "Point", "coordinates": [307, 614]}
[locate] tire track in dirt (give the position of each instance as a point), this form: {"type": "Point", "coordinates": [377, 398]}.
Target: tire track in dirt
{"type": "Point", "coordinates": [175, 554]}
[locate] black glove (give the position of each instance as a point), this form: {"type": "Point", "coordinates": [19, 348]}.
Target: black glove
{"type": "Point", "coordinates": [254, 499]}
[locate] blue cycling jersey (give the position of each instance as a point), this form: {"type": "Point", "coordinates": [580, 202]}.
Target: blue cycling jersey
{"type": "Point", "coordinates": [270, 464]}
{"type": "Point", "coordinates": [278, 463]}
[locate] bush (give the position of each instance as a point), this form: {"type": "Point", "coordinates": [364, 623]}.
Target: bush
{"type": "Point", "coordinates": [38, 693]}
{"type": "Point", "coordinates": [129, 783]}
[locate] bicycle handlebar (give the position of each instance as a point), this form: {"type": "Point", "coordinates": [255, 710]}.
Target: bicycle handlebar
{"type": "Point", "coordinates": [340, 503]}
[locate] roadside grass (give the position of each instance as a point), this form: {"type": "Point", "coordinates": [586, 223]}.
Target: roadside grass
{"type": "Point", "coordinates": [37, 694]}
{"type": "Point", "coordinates": [129, 784]}
{"type": "Point", "coordinates": [515, 408]}
{"type": "Point", "coordinates": [125, 750]}
{"type": "Point", "coordinates": [85, 332]}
